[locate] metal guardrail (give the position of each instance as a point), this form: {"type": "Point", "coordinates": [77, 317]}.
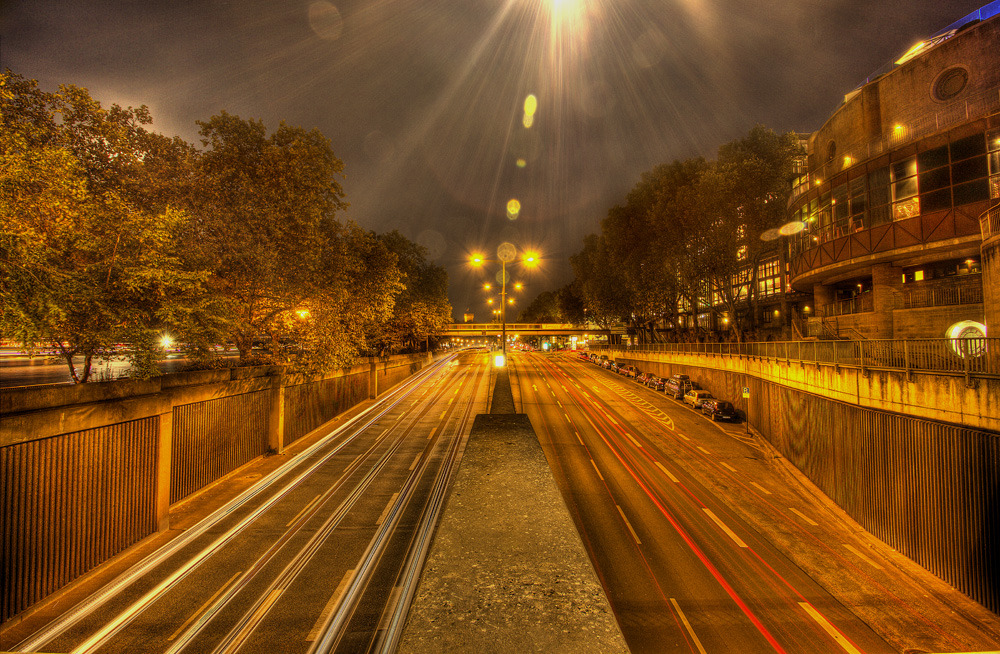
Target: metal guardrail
{"type": "Point", "coordinates": [940, 295]}
{"type": "Point", "coordinates": [971, 357]}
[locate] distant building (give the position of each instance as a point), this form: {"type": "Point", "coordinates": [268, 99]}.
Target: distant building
{"type": "Point", "coordinates": [468, 317]}
{"type": "Point", "coordinates": [892, 192]}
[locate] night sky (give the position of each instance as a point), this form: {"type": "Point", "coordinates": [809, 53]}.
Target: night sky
{"type": "Point", "coordinates": [424, 100]}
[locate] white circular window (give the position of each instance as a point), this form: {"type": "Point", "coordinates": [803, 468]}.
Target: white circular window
{"type": "Point", "coordinates": [968, 338]}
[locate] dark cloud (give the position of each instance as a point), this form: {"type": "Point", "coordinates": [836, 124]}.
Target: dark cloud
{"type": "Point", "coordinates": [423, 99]}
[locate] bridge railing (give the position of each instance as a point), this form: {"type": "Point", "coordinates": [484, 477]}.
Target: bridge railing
{"type": "Point", "coordinates": [978, 357]}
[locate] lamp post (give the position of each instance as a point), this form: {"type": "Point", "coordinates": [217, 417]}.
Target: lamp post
{"type": "Point", "coordinates": [506, 253]}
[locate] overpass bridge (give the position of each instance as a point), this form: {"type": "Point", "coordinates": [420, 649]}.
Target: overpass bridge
{"type": "Point", "coordinates": [530, 329]}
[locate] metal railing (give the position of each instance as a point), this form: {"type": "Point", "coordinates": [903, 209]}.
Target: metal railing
{"type": "Point", "coordinates": [971, 357]}
{"type": "Point", "coordinates": [863, 303]}
{"type": "Point", "coordinates": [989, 221]}
{"type": "Point", "coordinates": [941, 294]}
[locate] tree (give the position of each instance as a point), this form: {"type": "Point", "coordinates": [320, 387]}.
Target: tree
{"type": "Point", "coordinates": [543, 309]}
{"type": "Point", "coordinates": [267, 204]}
{"type": "Point", "coordinates": [422, 308]}
{"type": "Point", "coordinates": [87, 262]}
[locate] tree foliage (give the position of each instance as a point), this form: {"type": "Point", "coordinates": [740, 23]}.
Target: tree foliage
{"type": "Point", "coordinates": [88, 260]}
{"type": "Point", "coordinates": [687, 238]}
{"type": "Point", "coordinates": [113, 234]}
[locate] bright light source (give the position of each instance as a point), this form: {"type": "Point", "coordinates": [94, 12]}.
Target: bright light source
{"type": "Point", "coordinates": [487, 286]}
{"type": "Point", "coordinates": [531, 258]}
{"type": "Point", "coordinates": [499, 361]}
{"type": "Point", "coordinates": [476, 260]}
{"type": "Point", "coordinates": [166, 342]}
{"type": "Point", "coordinates": [518, 286]}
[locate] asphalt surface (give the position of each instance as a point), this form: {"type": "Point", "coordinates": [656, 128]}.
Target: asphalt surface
{"type": "Point", "coordinates": [705, 541]}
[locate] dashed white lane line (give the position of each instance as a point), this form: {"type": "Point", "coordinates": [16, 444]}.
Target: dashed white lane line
{"type": "Point", "coordinates": [838, 637]}
{"type": "Point", "coordinates": [578, 437]}
{"type": "Point", "coordinates": [629, 525]}
{"type": "Point", "coordinates": [414, 464]}
{"type": "Point", "coordinates": [703, 449]}
{"type": "Point", "coordinates": [806, 518]}
{"type": "Point", "coordinates": [330, 605]}
{"type": "Point", "coordinates": [304, 509]}
{"type": "Point", "coordinates": [762, 489]}
{"type": "Point", "coordinates": [598, 471]}
{"type": "Point", "coordinates": [388, 507]}
{"type": "Point", "coordinates": [862, 557]}
{"type": "Point", "coordinates": [667, 473]}
{"type": "Point", "coordinates": [727, 466]}
{"type": "Point", "coordinates": [637, 443]}
{"type": "Point", "coordinates": [687, 625]}
{"type": "Point", "coordinates": [724, 527]}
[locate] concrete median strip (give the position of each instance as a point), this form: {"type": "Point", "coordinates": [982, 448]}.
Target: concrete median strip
{"type": "Point", "coordinates": [507, 571]}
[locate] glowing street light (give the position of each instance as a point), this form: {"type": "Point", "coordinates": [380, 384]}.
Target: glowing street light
{"type": "Point", "coordinates": [506, 253]}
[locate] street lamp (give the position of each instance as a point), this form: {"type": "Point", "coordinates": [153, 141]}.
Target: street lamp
{"type": "Point", "coordinates": [506, 253]}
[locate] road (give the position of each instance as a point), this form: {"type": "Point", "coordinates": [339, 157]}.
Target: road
{"type": "Point", "coordinates": [21, 371]}
{"type": "Point", "coordinates": [320, 556]}
{"type": "Point", "coordinates": [666, 502]}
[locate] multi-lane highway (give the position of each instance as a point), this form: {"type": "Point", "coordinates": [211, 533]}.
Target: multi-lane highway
{"type": "Point", "coordinates": [655, 489]}
{"type": "Point", "coordinates": [321, 556]}
{"type": "Point", "coordinates": [700, 544]}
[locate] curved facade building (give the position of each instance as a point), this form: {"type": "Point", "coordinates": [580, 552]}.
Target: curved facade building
{"type": "Point", "coordinates": [893, 189]}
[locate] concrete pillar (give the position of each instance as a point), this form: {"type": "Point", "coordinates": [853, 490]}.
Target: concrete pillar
{"type": "Point", "coordinates": [822, 296]}
{"type": "Point", "coordinates": [886, 283]}
{"type": "Point", "coordinates": [991, 284]}
{"type": "Point", "coordinates": [276, 416]}
{"type": "Point", "coordinates": [373, 379]}
{"type": "Point", "coordinates": [164, 447]}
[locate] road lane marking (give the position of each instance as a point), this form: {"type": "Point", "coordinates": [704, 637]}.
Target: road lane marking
{"type": "Point", "coordinates": [567, 418]}
{"type": "Point", "coordinates": [703, 450]}
{"type": "Point", "coordinates": [204, 607]}
{"type": "Point", "coordinates": [559, 403]}
{"type": "Point", "coordinates": [443, 413]}
{"type": "Point", "coordinates": [804, 517]}
{"type": "Point", "coordinates": [417, 458]}
{"type": "Point", "coordinates": [629, 525]}
{"type": "Point", "coordinates": [724, 527]}
{"type": "Point", "coordinates": [682, 435]}
{"type": "Point", "coordinates": [388, 507]}
{"type": "Point", "coordinates": [728, 467]}
{"type": "Point", "coordinates": [255, 619]}
{"type": "Point", "coordinates": [380, 436]}
{"type": "Point", "coordinates": [578, 437]}
{"type": "Point", "coordinates": [330, 606]}
{"type": "Point", "coordinates": [687, 625]}
{"type": "Point", "coordinates": [862, 557]}
{"type": "Point", "coordinates": [390, 608]}
{"type": "Point", "coordinates": [598, 471]}
{"type": "Point", "coordinates": [667, 473]}
{"type": "Point", "coordinates": [829, 628]}
{"type": "Point", "coordinates": [304, 509]}
{"type": "Point", "coordinates": [534, 387]}
{"type": "Point", "coordinates": [451, 400]}
{"type": "Point", "coordinates": [637, 443]}
{"type": "Point", "coordinates": [762, 489]}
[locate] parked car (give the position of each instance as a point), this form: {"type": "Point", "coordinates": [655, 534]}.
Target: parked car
{"type": "Point", "coordinates": [718, 409]}
{"type": "Point", "coordinates": [630, 371]}
{"type": "Point", "coordinates": [695, 398]}
{"type": "Point", "coordinates": [656, 383]}
{"type": "Point", "coordinates": [643, 377]}
{"type": "Point", "coordinates": [678, 385]}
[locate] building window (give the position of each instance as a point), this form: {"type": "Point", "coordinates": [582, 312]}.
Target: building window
{"type": "Point", "coordinates": [905, 201]}
{"type": "Point", "coordinates": [993, 145]}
